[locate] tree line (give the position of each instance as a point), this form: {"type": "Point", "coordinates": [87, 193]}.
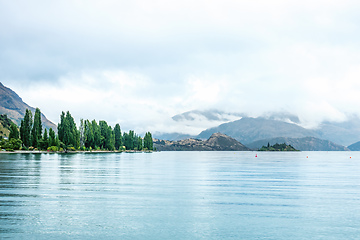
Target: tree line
{"type": "Point", "coordinates": [89, 136]}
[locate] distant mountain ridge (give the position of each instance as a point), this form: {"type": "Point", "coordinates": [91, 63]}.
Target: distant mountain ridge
{"type": "Point", "coordinates": [302, 144]}
{"type": "Point", "coordinates": [247, 130]}
{"type": "Point", "coordinates": [354, 146]}
{"type": "Point", "coordinates": [14, 107]}
{"type": "Point", "coordinates": [216, 142]}
{"type": "Point", "coordinates": [344, 133]}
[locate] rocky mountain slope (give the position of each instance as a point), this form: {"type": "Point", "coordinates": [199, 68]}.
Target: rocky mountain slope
{"type": "Point", "coordinates": [302, 144]}
{"type": "Point", "coordinates": [216, 142]}
{"type": "Point", "coordinates": [14, 107]}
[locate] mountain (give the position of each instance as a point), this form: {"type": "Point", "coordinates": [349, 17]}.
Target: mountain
{"type": "Point", "coordinates": [354, 146]}
{"type": "Point", "coordinates": [172, 136]}
{"type": "Point", "coordinates": [216, 142]}
{"type": "Point", "coordinates": [247, 130]}
{"type": "Point", "coordinates": [14, 107]}
{"type": "Point", "coordinates": [344, 133]}
{"type": "Point", "coordinates": [302, 144]}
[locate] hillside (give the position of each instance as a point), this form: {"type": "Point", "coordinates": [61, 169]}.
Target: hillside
{"type": "Point", "coordinates": [354, 146]}
{"type": "Point", "coordinates": [14, 107]}
{"type": "Point", "coordinates": [302, 144]}
{"type": "Point", "coordinates": [216, 142]}
{"type": "Point", "coordinates": [247, 130]}
{"type": "Point", "coordinates": [172, 136]}
{"type": "Point", "coordinates": [344, 133]}
{"type": "Point", "coordinates": [5, 124]}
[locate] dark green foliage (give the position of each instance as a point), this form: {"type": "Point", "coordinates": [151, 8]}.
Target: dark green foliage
{"type": "Point", "coordinates": [52, 138]}
{"type": "Point", "coordinates": [67, 131]}
{"type": "Point", "coordinates": [97, 134]}
{"type": "Point", "coordinates": [14, 132]}
{"type": "Point", "coordinates": [118, 140]}
{"type": "Point", "coordinates": [107, 136]}
{"type": "Point", "coordinates": [129, 140]}
{"type": "Point", "coordinates": [10, 144]}
{"type": "Point", "coordinates": [148, 141]}
{"type": "Point", "coordinates": [88, 135]}
{"type": "Point", "coordinates": [36, 129]}
{"type": "Point", "coordinates": [44, 142]}
{"type": "Point", "coordinates": [5, 121]}
{"type": "Point", "coordinates": [132, 142]}
{"type": "Point", "coordinates": [61, 126]}
{"type": "Point", "coordinates": [139, 143]}
{"type": "Point", "coordinates": [278, 147]}
{"type": "Point", "coordinates": [25, 129]}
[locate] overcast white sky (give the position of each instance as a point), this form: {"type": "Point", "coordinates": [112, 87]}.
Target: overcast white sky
{"type": "Point", "coordinates": [140, 62]}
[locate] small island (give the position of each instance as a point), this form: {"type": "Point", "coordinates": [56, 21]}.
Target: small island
{"type": "Point", "coordinates": [278, 147]}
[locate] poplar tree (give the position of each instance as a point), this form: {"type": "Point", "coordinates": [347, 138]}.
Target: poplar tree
{"type": "Point", "coordinates": [97, 134]}
{"type": "Point", "coordinates": [52, 139]}
{"type": "Point", "coordinates": [148, 142]}
{"type": "Point", "coordinates": [68, 134]}
{"type": "Point", "coordinates": [107, 136]}
{"type": "Point", "coordinates": [44, 142]}
{"type": "Point", "coordinates": [36, 129]}
{"type": "Point", "coordinates": [25, 128]}
{"type": "Point", "coordinates": [61, 126]}
{"type": "Point", "coordinates": [88, 135]}
{"type": "Point", "coordinates": [117, 133]}
{"type": "Point", "coordinates": [139, 143]}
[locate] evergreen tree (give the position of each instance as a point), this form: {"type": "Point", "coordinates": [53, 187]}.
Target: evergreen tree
{"type": "Point", "coordinates": [148, 141]}
{"type": "Point", "coordinates": [44, 142]}
{"type": "Point", "coordinates": [88, 135]}
{"type": "Point", "coordinates": [129, 140]}
{"type": "Point", "coordinates": [36, 129]}
{"type": "Point", "coordinates": [139, 143]}
{"type": "Point", "coordinates": [117, 133]}
{"type": "Point", "coordinates": [61, 126]}
{"type": "Point", "coordinates": [107, 136]}
{"type": "Point", "coordinates": [67, 131]}
{"type": "Point", "coordinates": [14, 132]}
{"type": "Point", "coordinates": [97, 134]}
{"type": "Point", "coordinates": [52, 139]}
{"type": "Point", "coordinates": [25, 128]}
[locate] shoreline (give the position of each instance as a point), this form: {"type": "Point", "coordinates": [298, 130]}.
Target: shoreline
{"type": "Point", "coordinates": [73, 152]}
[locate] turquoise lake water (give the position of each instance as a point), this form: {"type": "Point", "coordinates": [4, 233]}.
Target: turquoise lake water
{"type": "Point", "coordinates": [180, 195]}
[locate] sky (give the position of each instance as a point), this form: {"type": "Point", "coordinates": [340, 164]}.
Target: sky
{"type": "Point", "coordinates": [138, 63]}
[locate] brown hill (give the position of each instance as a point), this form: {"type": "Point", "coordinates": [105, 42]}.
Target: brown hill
{"type": "Point", "coordinates": [216, 142]}
{"type": "Point", "coordinates": [14, 107]}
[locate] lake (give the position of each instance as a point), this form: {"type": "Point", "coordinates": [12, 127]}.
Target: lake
{"type": "Point", "coordinates": [180, 195]}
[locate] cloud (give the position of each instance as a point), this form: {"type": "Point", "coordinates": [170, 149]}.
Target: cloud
{"type": "Point", "coordinates": [141, 62]}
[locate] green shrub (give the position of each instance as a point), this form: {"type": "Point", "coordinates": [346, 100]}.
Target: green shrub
{"type": "Point", "coordinates": [52, 149]}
